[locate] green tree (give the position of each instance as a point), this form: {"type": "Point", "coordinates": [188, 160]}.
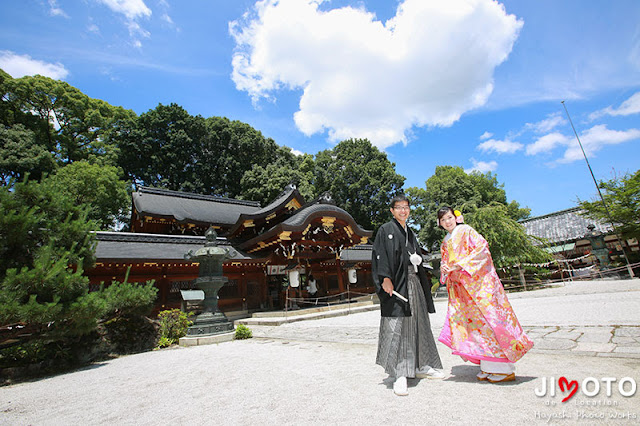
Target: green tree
{"type": "Point", "coordinates": [49, 297]}
{"type": "Point", "coordinates": [34, 215]}
{"type": "Point", "coordinates": [451, 186]}
{"type": "Point", "coordinates": [20, 154]}
{"type": "Point", "coordinates": [46, 241]}
{"type": "Point", "coordinates": [12, 114]}
{"type": "Point", "coordinates": [43, 233]}
{"type": "Point", "coordinates": [508, 241]}
{"type": "Point", "coordinates": [361, 180]}
{"type": "Point", "coordinates": [98, 187]}
{"type": "Point", "coordinates": [158, 147]}
{"type": "Point", "coordinates": [265, 183]}
{"type": "Point", "coordinates": [166, 147]}
{"type": "Point", "coordinates": [233, 148]}
{"type": "Point", "coordinates": [622, 196]}
{"type": "Point", "coordinates": [67, 123]}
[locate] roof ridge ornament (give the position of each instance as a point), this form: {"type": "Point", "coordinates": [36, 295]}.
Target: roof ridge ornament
{"type": "Point", "coordinates": [326, 198]}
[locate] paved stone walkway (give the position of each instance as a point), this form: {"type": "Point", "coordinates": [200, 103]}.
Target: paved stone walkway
{"type": "Point", "coordinates": [612, 341]}
{"type": "Point", "coordinates": [596, 318]}
{"type": "Point", "coordinates": [618, 342]}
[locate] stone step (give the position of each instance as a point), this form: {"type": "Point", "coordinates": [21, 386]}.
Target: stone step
{"type": "Point", "coordinates": [312, 310]}
{"type": "Point", "coordinates": [306, 316]}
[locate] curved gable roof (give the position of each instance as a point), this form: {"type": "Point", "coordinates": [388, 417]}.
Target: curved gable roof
{"type": "Point", "coordinates": [289, 199]}
{"type": "Point", "coordinates": [189, 207]}
{"type": "Point", "coordinates": [302, 219]}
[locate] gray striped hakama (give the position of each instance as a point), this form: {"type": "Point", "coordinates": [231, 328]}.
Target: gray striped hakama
{"type": "Point", "coordinates": [406, 343]}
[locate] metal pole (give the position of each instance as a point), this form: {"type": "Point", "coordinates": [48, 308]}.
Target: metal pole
{"type": "Point", "coordinates": [606, 207]}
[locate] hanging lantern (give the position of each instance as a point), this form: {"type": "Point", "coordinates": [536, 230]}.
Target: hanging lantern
{"type": "Point", "coordinates": [353, 275]}
{"type": "Point", "coordinates": [294, 278]}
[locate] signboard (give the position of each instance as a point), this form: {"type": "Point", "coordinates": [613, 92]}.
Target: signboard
{"type": "Point", "coordinates": [275, 269]}
{"type": "Point", "coordinates": [280, 270]}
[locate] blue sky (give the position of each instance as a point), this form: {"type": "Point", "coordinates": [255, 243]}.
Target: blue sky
{"type": "Point", "coordinates": [476, 83]}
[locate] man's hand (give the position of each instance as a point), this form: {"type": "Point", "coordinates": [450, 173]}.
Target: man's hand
{"type": "Point", "coordinates": [387, 286]}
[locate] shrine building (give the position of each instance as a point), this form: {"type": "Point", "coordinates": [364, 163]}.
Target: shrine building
{"type": "Point", "coordinates": [319, 240]}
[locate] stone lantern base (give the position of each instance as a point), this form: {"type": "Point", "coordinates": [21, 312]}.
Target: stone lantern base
{"type": "Point", "coordinates": [206, 340]}
{"type": "Point", "coordinates": [208, 323]}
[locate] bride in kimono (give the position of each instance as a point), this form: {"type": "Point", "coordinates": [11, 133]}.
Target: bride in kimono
{"type": "Point", "coordinates": [480, 325]}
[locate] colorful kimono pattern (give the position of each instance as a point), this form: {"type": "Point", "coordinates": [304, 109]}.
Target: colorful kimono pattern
{"type": "Point", "coordinates": [480, 323]}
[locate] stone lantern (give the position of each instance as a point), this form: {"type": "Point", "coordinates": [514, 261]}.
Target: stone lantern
{"type": "Point", "coordinates": [210, 280]}
{"type": "Point", "coordinates": [598, 245]}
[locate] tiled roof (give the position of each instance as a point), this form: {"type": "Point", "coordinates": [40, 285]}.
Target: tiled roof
{"type": "Point", "coordinates": [260, 216]}
{"type": "Point", "coordinates": [189, 207]}
{"type": "Point", "coordinates": [127, 246]}
{"type": "Point", "coordinates": [562, 226]}
{"type": "Point", "coordinates": [280, 199]}
{"type": "Point", "coordinates": [301, 215]}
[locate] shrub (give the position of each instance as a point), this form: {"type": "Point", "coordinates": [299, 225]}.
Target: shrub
{"type": "Point", "coordinates": [243, 332]}
{"type": "Point", "coordinates": [130, 299]}
{"type": "Point", "coordinates": [173, 325]}
{"type": "Point", "coordinates": [128, 334]}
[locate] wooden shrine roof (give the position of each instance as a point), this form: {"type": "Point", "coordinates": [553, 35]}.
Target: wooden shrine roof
{"type": "Point", "coordinates": [319, 226]}
{"type": "Point", "coordinates": [129, 246]}
{"type": "Point", "coordinates": [250, 224]}
{"type": "Point", "coordinates": [317, 223]}
{"type": "Point", "coordinates": [186, 207]}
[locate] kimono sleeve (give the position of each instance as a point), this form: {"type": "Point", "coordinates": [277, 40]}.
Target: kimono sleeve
{"type": "Point", "coordinates": [472, 251]}
{"type": "Point", "coordinates": [381, 261]}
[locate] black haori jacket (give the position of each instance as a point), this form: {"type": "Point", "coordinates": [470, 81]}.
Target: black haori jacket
{"type": "Point", "coordinates": [390, 258]}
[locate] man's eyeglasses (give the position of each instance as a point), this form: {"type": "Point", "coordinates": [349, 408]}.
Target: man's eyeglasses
{"type": "Point", "coordinates": [402, 208]}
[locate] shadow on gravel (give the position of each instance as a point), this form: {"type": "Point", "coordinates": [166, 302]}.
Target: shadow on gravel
{"type": "Point", "coordinates": [467, 374]}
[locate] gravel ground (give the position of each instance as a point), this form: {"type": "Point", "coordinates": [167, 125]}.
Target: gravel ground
{"type": "Point", "coordinates": [302, 378]}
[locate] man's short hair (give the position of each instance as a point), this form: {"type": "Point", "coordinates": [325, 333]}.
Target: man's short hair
{"type": "Point", "coordinates": [398, 199]}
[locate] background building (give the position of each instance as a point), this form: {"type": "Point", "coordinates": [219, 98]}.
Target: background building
{"type": "Point", "coordinates": [314, 238]}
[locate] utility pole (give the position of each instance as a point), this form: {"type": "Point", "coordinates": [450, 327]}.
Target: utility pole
{"type": "Point", "coordinates": [606, 207]}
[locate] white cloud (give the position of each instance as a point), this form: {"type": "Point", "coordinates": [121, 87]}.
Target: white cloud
{"type": "Point", "coordinates": [361, 77]}
{"type": "Point", "coordinates": [296, 152]}
{"type": "Point", "coordinates": [596, 138]}
{"type": "Point", "coordinates": [54, 10]}
{"type": "Point", "coordinates": [547, 143]}
{"type": "Point", "coordinates": [482, 166]}
{"type": "Point", "coordinates": [164, 15]}
{"type": "Point", "coordinates": [548, 124]}
{"type": "Point", "coordinates": [628, 107]}
{"type": "Point", "coordinates": [501, 147]}
{"type": "Point", "coordinates": [131, 9]}
{"type": "Point", "coordinates": [485, 136]}
{"type": "Point", "coordinates": [166, 18]}
{"type": "Point", "coordinates": [20, 65]}
{"type": "Point", "coordinates": [592, 140]}
{"type": "Point", "coordinates": [136, 30]}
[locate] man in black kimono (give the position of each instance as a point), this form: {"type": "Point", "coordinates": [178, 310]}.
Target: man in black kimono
{"type": "Point", "coordinates": [406, 347]}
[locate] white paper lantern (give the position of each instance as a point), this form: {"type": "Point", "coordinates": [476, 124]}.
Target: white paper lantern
{"type": "Point", "coordinates": [353, 276]}
{"type": "Point", "coordinates": [294, 278]}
